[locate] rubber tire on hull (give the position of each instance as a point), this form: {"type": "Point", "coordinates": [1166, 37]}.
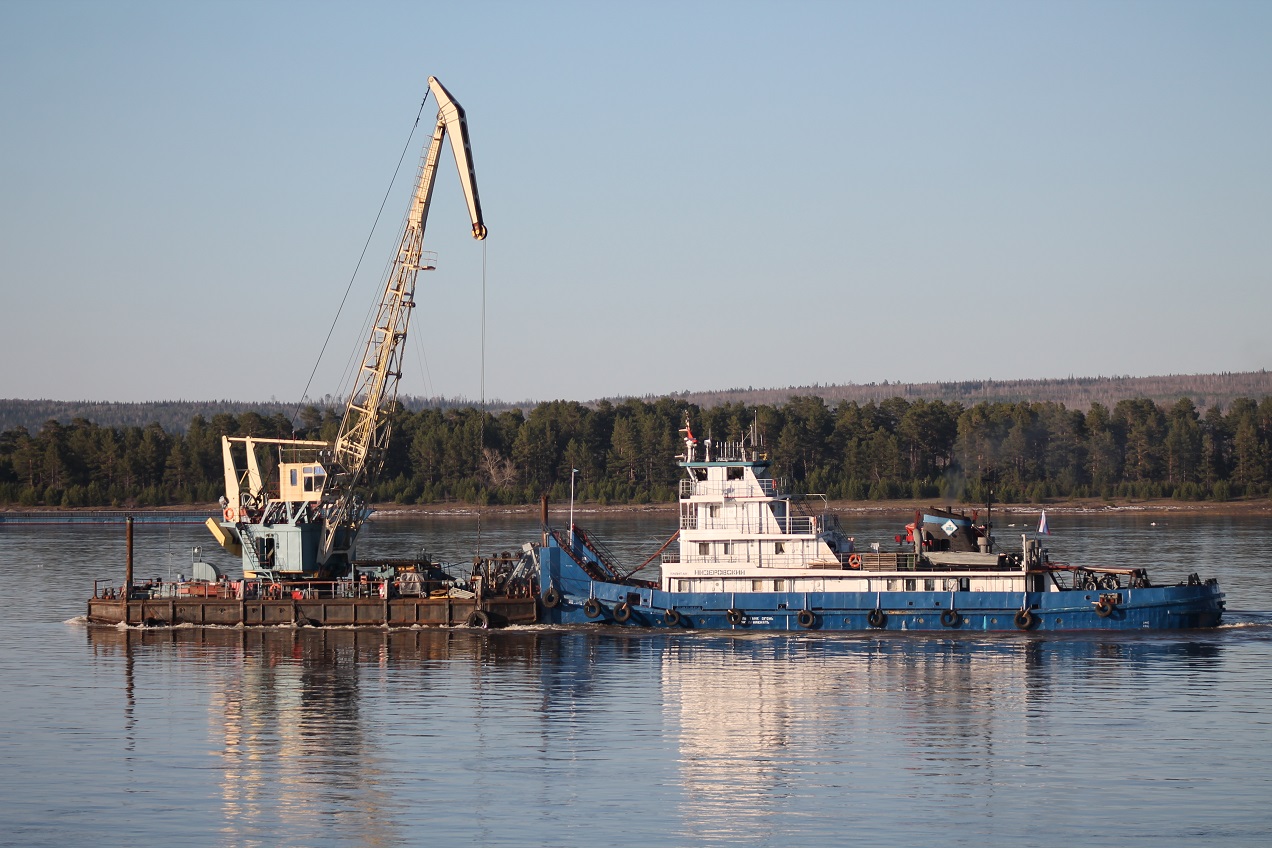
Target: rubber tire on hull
{"type": "Point", "coordinates": [735, 616]}
{"type": "Point", "coordinates": [951, 618]}
{"type": "Point", "coordinates": [1104, 609]}
{"type": "Point", "coordinates": [806, 618]}
{"type": "Point", "coordinates": [552, 598]}
{"type": "Point", "coordinates": [622, 613]}
{"type": "Point", "coordinates": [877, 618]}
{"type": "Point", "coordinates": [479, 619]}
{"type": "Point", "coordinates": [672, 618]}
{"type": "Point", "coordinates": [1025, 619]}
{"type": "Point", "coordinates": [592, 608]}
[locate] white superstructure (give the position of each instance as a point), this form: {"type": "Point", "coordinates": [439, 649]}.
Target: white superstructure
{"type": "Point", "coordinates": [740, 533]}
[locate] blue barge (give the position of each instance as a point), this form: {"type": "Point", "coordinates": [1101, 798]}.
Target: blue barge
{"type": "Point", "coordinates": [749, 558]}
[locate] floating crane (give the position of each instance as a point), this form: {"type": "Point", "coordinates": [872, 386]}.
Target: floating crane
{"type": "Point", "coordinates": [306, 527]}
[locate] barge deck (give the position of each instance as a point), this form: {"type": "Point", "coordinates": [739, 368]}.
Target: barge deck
{"type": "Point", "coordinates": [313, 612]}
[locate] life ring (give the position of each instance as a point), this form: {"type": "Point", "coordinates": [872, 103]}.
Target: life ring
{"type": "Point", "coordinates": [552, 598]}
{"type": "Point", "coordinates": [622, 613]}
{"type": "Point", "coordinates": [479, 619]}
{"type": "Point", "coordinates": [877, 618]}
{"type": "Point", "coordinates": [735, 616]}
{"type": "Point", "coordinates": [951, 618]}
{"type": "Point", "coordinates": [806, 618]}
{"type": "Point", "coordinates": [1103, 608]}
{"type": "Point", "coordinates": [1025, 619]}
{"type": "Point", "coordinates": [228, 513]}
{"type": "Point", "coordinates": [854, 560]}
{"type": "Point", "coordinates": [671, 618]}
{"type": "Point", "coordinates": [276, 590]}
{"type": "Point", "coordinates": [592, 608]}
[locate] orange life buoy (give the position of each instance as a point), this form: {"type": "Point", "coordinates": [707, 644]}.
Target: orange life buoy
{"type": "Point", "coordinates": [854, 560]}
{"type": "Point", "coordinates": [229, 513]}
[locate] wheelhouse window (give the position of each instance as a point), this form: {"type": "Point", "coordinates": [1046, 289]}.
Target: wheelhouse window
{"type": "Point", "coordinates": [779, 547]}
{"type": "Point", "coordinates": [315, 476]}
{"type": "Point", "coordinates": [704, 549]}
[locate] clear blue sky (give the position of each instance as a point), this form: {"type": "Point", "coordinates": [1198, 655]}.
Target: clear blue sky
{"type": "Point", "coordinates": [679, 195]}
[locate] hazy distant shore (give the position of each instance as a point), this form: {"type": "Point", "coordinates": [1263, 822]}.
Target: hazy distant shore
{"type": "Point", "coordinates": [900, 508]}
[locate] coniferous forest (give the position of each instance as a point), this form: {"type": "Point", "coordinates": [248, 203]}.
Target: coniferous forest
{"type": "Point", "coordinates": [626, 453]}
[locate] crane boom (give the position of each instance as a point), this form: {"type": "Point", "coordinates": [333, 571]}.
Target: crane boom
{"type": "Point", "coordinates": [358, 453]}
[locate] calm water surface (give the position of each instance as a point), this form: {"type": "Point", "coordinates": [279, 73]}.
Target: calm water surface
{"type": "Point", "coordinates": [595, 736]}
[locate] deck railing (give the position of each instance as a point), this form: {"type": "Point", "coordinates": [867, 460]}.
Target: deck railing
{"type": "Point", "coordinates": [763, 488]}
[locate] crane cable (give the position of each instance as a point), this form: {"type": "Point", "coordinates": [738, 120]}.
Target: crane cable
{"type": "Point", "coordinates": [361, 256]}
{"type": "Point", "coordinates": [481, 438]}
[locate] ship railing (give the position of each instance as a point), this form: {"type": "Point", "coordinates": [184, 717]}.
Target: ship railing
{"type": "Point", "coordinates": [762, 488]}
{"type": "Point", "coordinates": [799, 524]}
{"type": "Point", "coordinates": [256, 589]}
{"type": "Point", "coordinates": [713, 558]}
{"type": "Point", "coordinates": [603, 568]}
{"type": "Point", "coordinates": [791, 525]}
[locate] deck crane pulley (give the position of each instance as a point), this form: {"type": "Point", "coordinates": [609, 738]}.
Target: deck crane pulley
{"type": "Point", "coordinates": [358, 455]}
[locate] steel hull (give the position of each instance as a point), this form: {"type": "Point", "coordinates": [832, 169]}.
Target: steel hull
{"type": "Point", "coordinates": [565, 592]}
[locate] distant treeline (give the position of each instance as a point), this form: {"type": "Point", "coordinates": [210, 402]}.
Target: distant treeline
{"type": "Point", "coordinates": [626, 453]}
{"type": "Point", "coordinates": [1205, 391]}
{"type": "Point", "coordinates": [175, 416]}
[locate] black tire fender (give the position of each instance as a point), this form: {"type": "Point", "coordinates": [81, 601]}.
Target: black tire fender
{"type": "Point", "coordinates": [592, 608]}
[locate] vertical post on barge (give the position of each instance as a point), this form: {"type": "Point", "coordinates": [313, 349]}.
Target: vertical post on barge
{"type": "Point", "coordinates": [543, 518]}
{"type": "Point", "coordinates": [573, 471]}
{"type": "Point", "coordinates": [128, 563]}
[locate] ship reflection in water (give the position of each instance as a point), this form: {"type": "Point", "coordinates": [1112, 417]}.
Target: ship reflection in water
{"type": "Point", "coordinates": [881, 731]}
{"type": "Point", "coordinates": [366, 736]}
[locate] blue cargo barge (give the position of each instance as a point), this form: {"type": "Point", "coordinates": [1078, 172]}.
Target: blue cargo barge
{"type": "Point", "coordinates": [750, 558]}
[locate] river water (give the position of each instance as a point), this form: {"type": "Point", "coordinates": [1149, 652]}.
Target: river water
{"type": "Point", "coordinates": [535, 736]}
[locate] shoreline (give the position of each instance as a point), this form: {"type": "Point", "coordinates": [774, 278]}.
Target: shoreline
{"type": "Point", "coordinates": [1158, 506]}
